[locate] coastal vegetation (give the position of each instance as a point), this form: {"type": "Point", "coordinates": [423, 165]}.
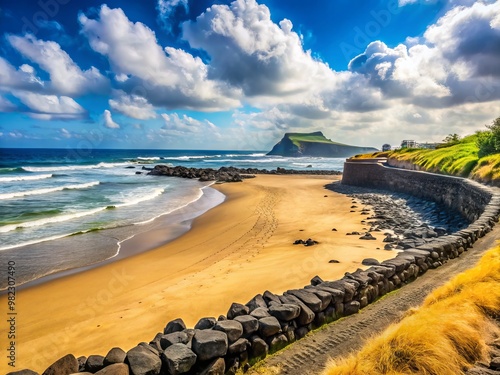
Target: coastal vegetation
{"type": "Point", "coordinates": [446, 335]}
{"type": "Point", "coordinates": [314, 144]}
{"type": "Point", "coordinates": [475, 156]}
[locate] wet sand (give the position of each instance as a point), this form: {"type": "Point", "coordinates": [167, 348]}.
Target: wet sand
{"type": "Point", "coordinates": [234, 251]}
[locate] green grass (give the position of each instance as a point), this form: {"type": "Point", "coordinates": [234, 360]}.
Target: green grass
{"type": "Point", "coordinates": [460, 159]}
{"type": "Point", "coordinates": [297, 138]}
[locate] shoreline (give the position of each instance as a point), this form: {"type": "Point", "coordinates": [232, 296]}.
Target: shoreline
{"type": "Point", "coordinates": [242, 241]}
{"type": "Point", "coordinates": [152, 234]}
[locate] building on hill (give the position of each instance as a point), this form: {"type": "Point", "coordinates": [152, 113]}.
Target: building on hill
{"type": "Point", "coordinates": [408, 143]}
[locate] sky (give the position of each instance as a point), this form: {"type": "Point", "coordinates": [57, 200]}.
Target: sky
{"type": "Point", "coordinates": [237, 75]}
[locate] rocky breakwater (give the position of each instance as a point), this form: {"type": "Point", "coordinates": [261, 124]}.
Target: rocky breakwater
{"type": "Point", "coordinates": [227, 174]}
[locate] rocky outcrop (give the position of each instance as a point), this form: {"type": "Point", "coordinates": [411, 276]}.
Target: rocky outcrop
{"type": "Point", "coordinates": [315, 144]}
{"type": "Point", "coordinates": [227, 174]}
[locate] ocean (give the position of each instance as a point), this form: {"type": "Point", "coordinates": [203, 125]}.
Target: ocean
{"type": "Point", "coordinates": [61, 209]}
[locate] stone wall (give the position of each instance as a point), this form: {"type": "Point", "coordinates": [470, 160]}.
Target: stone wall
{"type": "Point", "coordinates": [269, 322]}
{"type": "Point", "coordinates": [462, 195]}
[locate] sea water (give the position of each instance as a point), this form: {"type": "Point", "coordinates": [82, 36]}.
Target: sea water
{"type": "Point", "coordinates": [61, 209]}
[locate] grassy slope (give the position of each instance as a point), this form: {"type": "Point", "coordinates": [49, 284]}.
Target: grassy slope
{"type": "Point", "coordinates": [447, 334]}
{"type": "Point", "coordinates": [296, 138]}
{"type": "Point", "coordinates": [460, 159]}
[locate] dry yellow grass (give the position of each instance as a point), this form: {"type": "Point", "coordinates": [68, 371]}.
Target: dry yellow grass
{"type": "Point", "coordinates": [445, 336]}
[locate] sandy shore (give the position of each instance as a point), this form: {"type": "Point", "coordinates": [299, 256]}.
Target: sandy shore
{"type": "Point", "coordinates": [236, 250]}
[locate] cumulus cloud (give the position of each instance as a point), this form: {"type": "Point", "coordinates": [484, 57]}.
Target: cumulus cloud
{"type": "Point", "coordinates": [186, 125]}
{"type": "Point", "coordinates": [51, 107]}
{"type": "Point", "coordinates": [23, 78]}
{"type": "Point", "coordinates": [250, 51]}
{"type": "Point", "coordinates": [132, 106]}
{"type": "Point", "coordinates": [66, 77]}
{"type": "Point", "coordinates": [457, 61]}
{"type": "Point", "coordinates": [169, 77]}
{"type": "Point", "coordinates": [108, 120]}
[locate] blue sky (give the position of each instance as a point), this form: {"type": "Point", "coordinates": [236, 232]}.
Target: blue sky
{"type": "Point", "coordinates": [238, 74]}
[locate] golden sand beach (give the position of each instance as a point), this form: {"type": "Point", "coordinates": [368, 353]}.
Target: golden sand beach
{"type": "Point", "coordinates": [236, 250]}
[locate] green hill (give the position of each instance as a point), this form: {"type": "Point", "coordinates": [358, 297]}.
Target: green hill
{"type": "Point", "coordinates": [315, 144]}
{"type": "Point", "coordinates": [458, 159]}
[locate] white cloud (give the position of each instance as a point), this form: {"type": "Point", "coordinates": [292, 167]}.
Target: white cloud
{"type": "Point", "coordinates": [132, 106]}
{"type": "Point", "coordinates": [456, 61]}
{"type": "Point", "coordinates": [169, 77]}
{"type": "Point", "coordinates": [22, 78]}
{"type": "Point", "coordinates": [51, 107]}
{"type": "Point", "coordinates": [186, 125]}
{"type": "Point", "coordinates": [249, 51]}
{"type": "Point", "coordinates": [66, 77]}
{"type": "Point", "coordinates": [108, 120]}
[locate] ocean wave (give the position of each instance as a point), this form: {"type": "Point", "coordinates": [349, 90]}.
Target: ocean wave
{"type": "Point", "coordinates": [19, 194]}
{"type": "Point", "coordinates": [73, 167]}
{"type": "Point", "coordinates": [144, 198]}
{"type": "Point", "coordinates": [246, 160]}
{"type": "Point", "coordinates": [33, 242]}
{"type": "Point", "coordinates": [50, 220]}
{"type": "Point", "coordinates": [25, 178]}
{"type": "Point", "coordinates": [148, 158]}
{"type": "Point", "coordinates": [192, 157]}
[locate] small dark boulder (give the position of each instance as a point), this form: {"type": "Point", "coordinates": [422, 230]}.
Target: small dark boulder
{"type": "Point", "coordinates": [269, 326]}
{"type": "Point", "coordinates": [285, 312]}
{"type": "Point", "coordinates": [249, 323]}
{"type": "Point", "coordinates": [216, 367]}
{"type": "Point", "coordinates": [316, 280]}
{"type": "Point", "coordinates": [239, 346]}
{"type": "Point", "coordinates": [367, 236]}
{"type": "Point", "coordinates": [206, 323]}
{"type": "Point", "coordinates": [310, 242]}
{"type": "Point", "coordinates": [23, 372]}
{"type": "Point", "coordinates": [114, 369]}
{"type": "Point", "coordinates": [115, 355]}
{"type": "Point", "coordinates": [178, 358]}
{"type": "Point", "coordinates": [370, 262]}
{"type": "Point", "coordinates": [237, 309]}
{"type": "Point", "coordinates": [174, 338]}
{"type": "Point", "coordinates": [143, 361]}
{"type": "Point", "coordinates": [256, 302]}
{"type": "Point", "coordinates": [333, 261]}
{"type": "Point", "coordinates": [65, 365]}
{"type": "Point", "coordinates": [209, 344]}
{"type": "Point", "coordinates": [174, 326]}
{"type": "Point", "coordinates": [260, 312]}
{"type": "Point", "coordinates": [298, 242]}
{"type": "Point", "coordinates": [232, 328]}
{"type": "Point", "coordinates": [277, 342]}
{"type": "Point", "coordinates": [259, 347]}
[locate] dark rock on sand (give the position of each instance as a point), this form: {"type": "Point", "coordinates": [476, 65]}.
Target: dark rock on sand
{"type": "Point", "coordinates": [115, 355]}
{"type": "Point", "coordinates": [209, 344]}
{"type": "Point", "coordinates": [65, 365]}
{"type": "Point", "coordinates": [174, 326]}
{"type": "Point", "coordinates": [143, 361]}
{"type": "Point", "coordinates": [232, 328]}
{"type": "Point", "coordinates": [114, 369]}
{"type": "Point", "coordinates": [206, 323]}
{"type": "Point", "coordinates": [178, 358]}
{"type": "Point", "coordinates": [237, 309]}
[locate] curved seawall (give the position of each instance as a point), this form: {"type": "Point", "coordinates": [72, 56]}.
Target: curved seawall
{"type": "Point", "coordinates": [462, 195]}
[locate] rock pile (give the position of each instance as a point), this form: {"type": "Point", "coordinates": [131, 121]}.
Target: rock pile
{"type": "Point", "coordinates": [225, 174]}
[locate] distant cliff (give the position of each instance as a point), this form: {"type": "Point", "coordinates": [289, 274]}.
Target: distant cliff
{"type": "Point", "coordinates": [315, 144]}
